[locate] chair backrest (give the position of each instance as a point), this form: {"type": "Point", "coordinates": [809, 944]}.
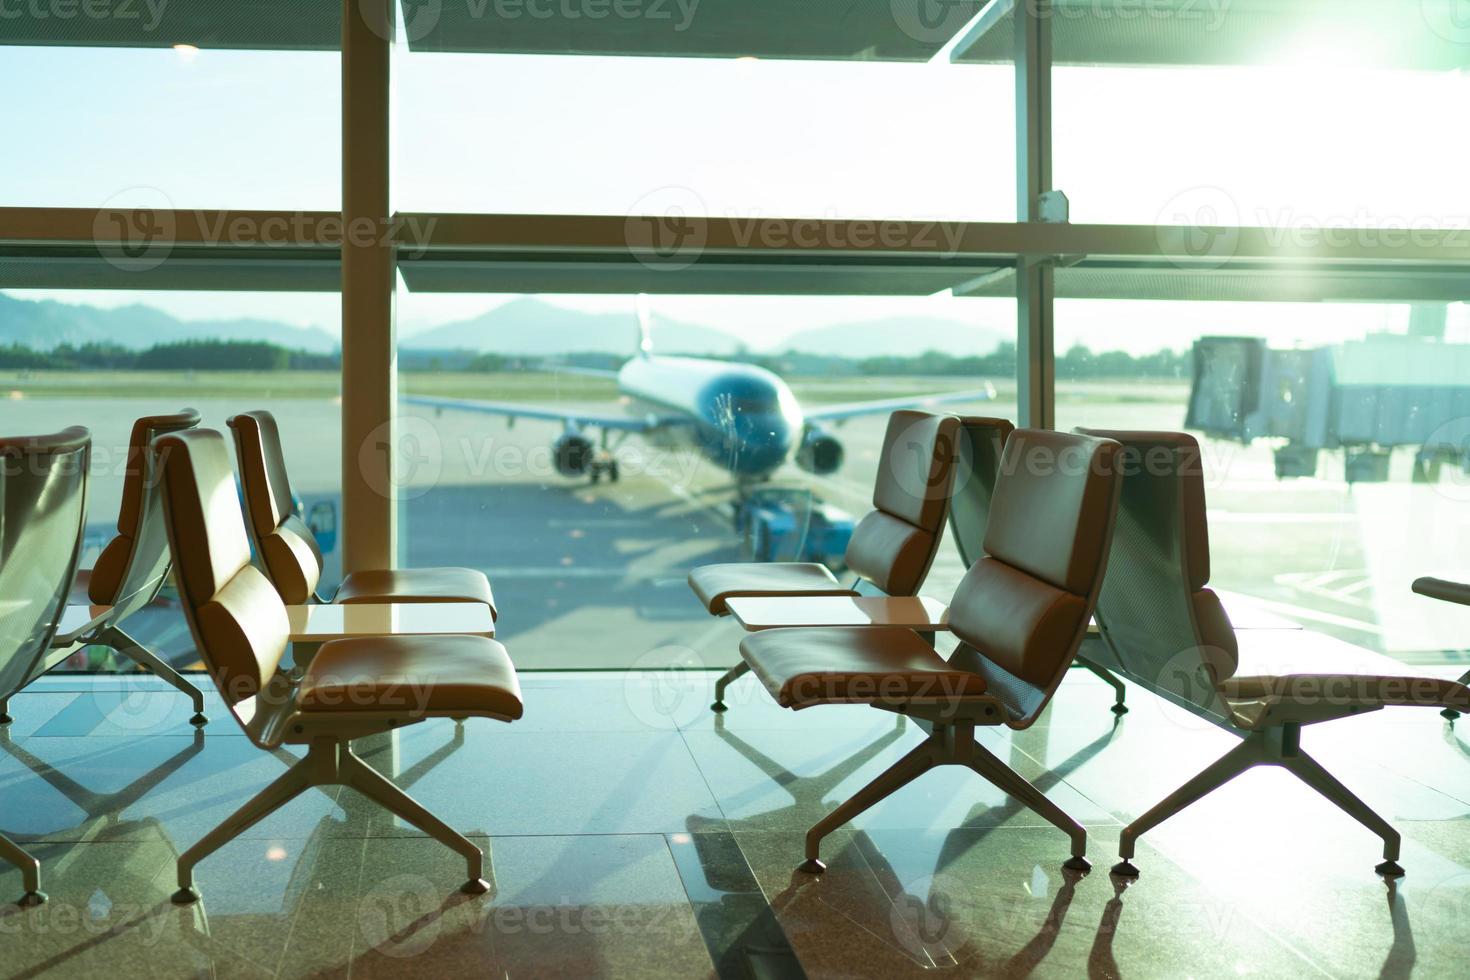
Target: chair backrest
{"type": "Point", "coordinates": [1163, 627]}
{"type": "Point", "coordinates": [238, 621]}
{"type": "Point", "coordinates": [43, 512]}
{"type": "Point", "coordinates": [894, 545]}
{"type": "Point", "coordinates": [132, 568]}
{"type": "Point", "coordinates": [288, 550]}
{"type": "Point", "coordinates": [977, 465]}
{"type": "Point", "coordinates": [1022, 609]}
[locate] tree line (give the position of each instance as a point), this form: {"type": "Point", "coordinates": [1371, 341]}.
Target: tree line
{"type": "Point", "coordinates": [1077, 363]}
{"type": "Point", "coordinates": [186, 355]}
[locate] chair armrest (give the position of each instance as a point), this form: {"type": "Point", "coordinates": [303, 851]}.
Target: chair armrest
{"type": "Point", "coordinates": [756, 613]}
{"type": "Point", "coordinates": [1438, 588]}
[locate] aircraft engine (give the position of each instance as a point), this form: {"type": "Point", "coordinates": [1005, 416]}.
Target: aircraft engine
{"type": "Point", "coordinates": [573, 454]}
{"type": "Point", "coordinates": [820, 452]}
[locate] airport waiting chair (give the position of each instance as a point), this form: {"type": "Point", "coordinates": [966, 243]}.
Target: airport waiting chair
{"type": "Point", "coordinates": [891, 548]}
{"type": "Point", "coordinates": [351, 688]}
{"type": "Point", "coordinates": [1446, 591]}
{"type": "Point", "coordinates": [977, 462]}
{"type": "Point", "coordinates": [288, 550]}
{"type": "Point", "coordinates": [131, 569]}
{"type": "Point", "coordinates": [43, 513]}
{"type": "Point", "coordinates": [1165, 630]}
{"type": "Point", "coordinates": [1019, 613]}
{"type": "Point", "coordinates": [134, 566]}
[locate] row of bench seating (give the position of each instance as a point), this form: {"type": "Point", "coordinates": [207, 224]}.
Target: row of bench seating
{"type": "Point", "coordinates": [1104, 523]}
{"type": "Point", "coordinates": [1056, 528]}
{"type": "Point", "coordinates": [180, 509]}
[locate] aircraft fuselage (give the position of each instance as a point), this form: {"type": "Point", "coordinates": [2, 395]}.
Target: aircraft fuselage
{"type": "Point", "coordinates": [742, 418]}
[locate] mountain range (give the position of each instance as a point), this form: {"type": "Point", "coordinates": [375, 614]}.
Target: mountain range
{"type": "Point", "coordinates": [523, 326]}
{"type": "Point", "coordinates": [44, 324]}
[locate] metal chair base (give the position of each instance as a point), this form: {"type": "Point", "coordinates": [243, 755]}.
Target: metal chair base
{"type": "Point", "coordinates": [329, 761]}
{"type": "Point", "coordinates": [947, 745]}
{"type": "Point", "coordinates": [733, 674]}
{"type": "Point", "coordinates": [1278, 746]}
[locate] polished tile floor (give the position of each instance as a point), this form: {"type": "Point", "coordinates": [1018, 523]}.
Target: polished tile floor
{"type": "Point", "coordinates": [634, 833]}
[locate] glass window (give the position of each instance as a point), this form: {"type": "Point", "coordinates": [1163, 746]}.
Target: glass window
{"type": "Point", "coordinates": [1335, 438]}
{"type": "Point", "coordinates": [163, 128]}
{"type": "Point", "coordinates": [590, 571]}
{"type": "Point", "coordinates": [1275, 147]}
{"type": "Point", "coordinates": [568, 135]}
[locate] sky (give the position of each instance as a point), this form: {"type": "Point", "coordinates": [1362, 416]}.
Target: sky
{"type": "Point", "coordinates": [1301, 144]}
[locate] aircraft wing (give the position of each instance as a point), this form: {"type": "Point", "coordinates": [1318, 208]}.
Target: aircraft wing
{"type": "Point", "coordinates": [836, 413]}
{"type": "Point", "coordinates": [511, 410]}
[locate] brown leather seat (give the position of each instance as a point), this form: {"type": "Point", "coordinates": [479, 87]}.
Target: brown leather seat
{"type": "Point", "coordinates": [1167, 631]}
{"type": "Point", "coordinates": [713, 584]}
{"type": "Point", "coordinates": [288, 550]}
{"type": "Point", "coordinates": [453, 674]}
{"type": "Point", "coordinates": [352, 687]}
{"type": "Point", "coordinates": [802, 667]}
{"type": "Point", "coordinates": [417, 585]}
{"type": "Point", "coordinates": [1020, 614]}
{"type": "Point", "coordinates": [891, 548]}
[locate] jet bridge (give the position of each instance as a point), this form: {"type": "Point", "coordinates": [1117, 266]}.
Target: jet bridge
{"type": "Point", "coordinates": [1365, 397]}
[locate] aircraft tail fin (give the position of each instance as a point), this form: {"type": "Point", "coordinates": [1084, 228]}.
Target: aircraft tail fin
{"type": "Point", "coordinates": [645, 326]}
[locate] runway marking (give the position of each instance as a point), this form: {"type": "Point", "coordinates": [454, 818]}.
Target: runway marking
{"type": "Point", "coordinates": [1325, 585]}
{"type": "Point", "coordinates": [1294, 611]}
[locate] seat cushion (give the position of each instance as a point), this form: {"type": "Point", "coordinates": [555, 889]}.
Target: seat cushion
{"type": "Point", "coordinates": [1310, 668]}
{"type": "Point", "coordinates": [456, 675]}
{"type": "Point", "coordinates": [713, 584]}
{"type": "Point", "coordinates": [417, 585]}
{"type": "Point", "coordinates": [837, 665]}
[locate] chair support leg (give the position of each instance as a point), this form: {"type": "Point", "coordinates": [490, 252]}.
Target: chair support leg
{"type": "Point", "coordinates": [1310, 771]}
{"type": "Point", "coordinates": [375, 786]}
{"type": "Point", "coordinates": [5, 718]}
{"type": "Point", "coordinates": [913, 765]}
{"type": "Point", "coordinates": [733, 674]}
{"type": "Point", "coordinates": [128, 647]}
{"type": "Point", "coordinates": [288, 785]}
{"type": "Point", "coordinates": [1250, 752]}
{"type": "Point", "coordinates": [1120, 692]}
{"type": "Point", "coordinates": [992, 768]}
{"type": "Point", "coordinates": [30, 871]}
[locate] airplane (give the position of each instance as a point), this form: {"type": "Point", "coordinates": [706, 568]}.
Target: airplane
{"type": "Point", "coordinates": [740, 417]}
